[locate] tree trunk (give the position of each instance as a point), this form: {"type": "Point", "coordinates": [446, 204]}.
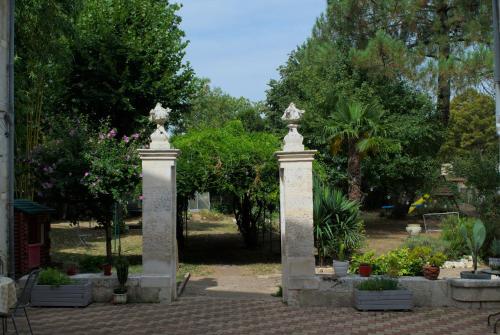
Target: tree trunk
{"type": "Point", "coordinates": [354, 172]}
{"type": "Point", "coordinates": [444, 85]}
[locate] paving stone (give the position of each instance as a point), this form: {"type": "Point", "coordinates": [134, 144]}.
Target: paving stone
{"type": "Point", "coordinates": [208, 315]}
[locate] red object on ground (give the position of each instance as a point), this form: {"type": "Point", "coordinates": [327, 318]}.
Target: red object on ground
{"type": "Point", "coordinates": [365, 270]}
{"type": "Point", "coordinates": [107, 269]}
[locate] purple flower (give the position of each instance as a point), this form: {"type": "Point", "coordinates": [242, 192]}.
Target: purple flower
{"type": "Point", "coordinates": [112, 133]}
{"type": "Point", "coordinates": [86, 174]}
{"type": "Point", "coordinates": [141, 197]}
{"type": "Point", "coordinates": [135, 136]}
{"type": "Point", "coordinates": [126, 139]}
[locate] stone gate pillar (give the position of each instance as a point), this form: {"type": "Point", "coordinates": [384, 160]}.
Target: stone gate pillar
{"type": "Point", "coordinates": [296, 212]}
{"type": "Point", "coordinates": [159, 205]}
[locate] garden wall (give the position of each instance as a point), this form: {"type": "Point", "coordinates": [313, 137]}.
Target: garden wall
{"type": "Point", "coordinates": [461, 293]}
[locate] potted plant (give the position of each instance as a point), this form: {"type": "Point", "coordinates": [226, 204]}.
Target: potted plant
{"type": "Point", "coordinates": [475, 239]}
{"type": "Point", "coordinates": [432, 267]}
{"type": "Point", "coordinates": [120, 293]}
{"type": "Point", "coordinates": [365, 269]}
{"type": "Point", "coordinates": [382, 294]}
{"type": "Point", "coordinates": [494, 261]}
{"type": "Point", "coordinates": [55, 288]}
{"type": "Point", "coordinates": [106, 268]}
{"type": "Point", "coordinates": [340, 266]}
{"type": "Point", "coordinates": [71, 269]}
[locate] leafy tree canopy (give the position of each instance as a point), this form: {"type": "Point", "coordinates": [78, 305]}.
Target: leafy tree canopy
{"type": "Point", "coordinates": [211, 107]}
{"type": "Point", "coordinates": [233, 162]}
{"type": "Point", "coordinates": [128, 55]}
{"type": "Point", "coordinates": [319, 74]}
{"type": "Point", "coordinates": [472, 125]}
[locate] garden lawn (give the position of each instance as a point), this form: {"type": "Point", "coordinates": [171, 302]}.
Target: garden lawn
{"type": "Point", "coordinates": [213, 241]}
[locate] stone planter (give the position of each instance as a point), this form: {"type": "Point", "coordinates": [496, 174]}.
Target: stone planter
{"type": "Point", "coordinates": [431, 272]}
{"type": "Point", "coordinates": [340, 268]}
{"type": "Point", "coordinates": [75, 295]}
{"type": "Point", "coordinates": [472, 275]}
{"type": "Point", "coordinates": [494, 263]}
{"type": "Point", "coordinates": [413, 229]}
{"type": "Point", "coordinates": [383, 300]}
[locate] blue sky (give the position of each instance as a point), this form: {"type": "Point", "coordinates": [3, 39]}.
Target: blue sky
{"type": "Point", "coordinates": [239, 44]}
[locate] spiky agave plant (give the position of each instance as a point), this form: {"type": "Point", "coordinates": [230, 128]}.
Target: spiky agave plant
{"type": "Point", "coordinates": [337, 222]}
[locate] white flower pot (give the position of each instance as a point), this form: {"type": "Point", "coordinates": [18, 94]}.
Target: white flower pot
{"type": "Point", "coordinates": [340, 268]}
{"type": "Point", "coordinates": [119, 299]}
{"type": "Point", "coordinates": [413, 229]}
{"type": "Point", "coordinates": [494, 263]}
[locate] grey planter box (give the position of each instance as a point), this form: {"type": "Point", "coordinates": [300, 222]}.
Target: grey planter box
{"type": "Point", "coordinates": [383, 300]}
{"type": "Point", "coordinates": [75, 295]}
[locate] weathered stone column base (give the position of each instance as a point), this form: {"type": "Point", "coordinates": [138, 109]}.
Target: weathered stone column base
{"type": "Point", "coordinates": [156, 288]}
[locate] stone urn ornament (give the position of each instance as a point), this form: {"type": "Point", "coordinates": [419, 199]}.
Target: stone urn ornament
{"type": "Point", "coordinates": [293, 140]}
{"type": "Point", "coordinates": [160, 116]}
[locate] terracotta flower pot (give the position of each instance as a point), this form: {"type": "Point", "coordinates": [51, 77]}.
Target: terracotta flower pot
{"type": "Point", "coordinates": [71, 271]}
{"type": "Point", "coordinates": [365, 270]}
{"type": "Point", "coordinates": [107, 269]}
{"type": "Point", "coordinates": [431, 272]}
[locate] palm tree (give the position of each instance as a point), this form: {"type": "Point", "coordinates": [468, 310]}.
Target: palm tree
{"type": "Point", "coordinates": [360, 128]}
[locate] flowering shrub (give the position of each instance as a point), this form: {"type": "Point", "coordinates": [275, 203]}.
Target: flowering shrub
{"type": "Point", "coordinates": [58, 166]}
{"type": "Point", "coordinates": [114, 166]}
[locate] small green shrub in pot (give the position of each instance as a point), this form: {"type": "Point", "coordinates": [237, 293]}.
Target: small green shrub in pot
{"type": "Point", "coordinates": [494, 260]}
{"type": "Point", "coordinates": [378, 284]}
{"type": "Point", "coordinates": [433, 264]}
{"type": "Point", "coordinates": [53, 277]}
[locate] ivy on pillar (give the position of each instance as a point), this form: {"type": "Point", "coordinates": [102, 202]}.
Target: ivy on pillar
{"type": "Point", "coordinates": [159, 245]}
{"type": "Point", "coordinates": [296, 211]}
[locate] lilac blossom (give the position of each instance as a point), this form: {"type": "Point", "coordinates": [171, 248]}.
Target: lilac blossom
{"type": "Point", "coordinates": [112, 133]}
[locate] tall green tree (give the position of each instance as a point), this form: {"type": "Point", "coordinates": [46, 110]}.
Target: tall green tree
{"type": "Point", "coordinates": [472, 125]}
{"type": "Point", "coordinates": [43, 57]}
{"type": "Point", "coordinates": [129, 55]}
{"type": "Point", "coordinates": [443, 44]}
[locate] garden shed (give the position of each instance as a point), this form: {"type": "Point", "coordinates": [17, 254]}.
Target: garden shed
{"type": "Point", "coordinates": [32, 235]}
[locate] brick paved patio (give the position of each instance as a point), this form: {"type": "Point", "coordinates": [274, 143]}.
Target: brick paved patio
{"type": "Point", "coordinates": [209, 315]}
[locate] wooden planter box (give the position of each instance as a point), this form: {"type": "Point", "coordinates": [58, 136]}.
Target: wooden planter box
{"type": "Point", "coordinates": [383, 300]}
{"type": "Point", "coordinates": [75, 295]}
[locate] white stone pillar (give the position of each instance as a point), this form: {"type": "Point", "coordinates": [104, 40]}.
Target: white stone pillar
{"type": "Point", "coordinates": [296, 212]}
{"type": "Point", "coordinates": [159, 206]}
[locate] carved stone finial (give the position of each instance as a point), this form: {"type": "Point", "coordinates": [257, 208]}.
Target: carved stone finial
{"type": "Point", "coordinates": [293, 140]}
{"type": "Point", "coordinates": [159, 138]}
